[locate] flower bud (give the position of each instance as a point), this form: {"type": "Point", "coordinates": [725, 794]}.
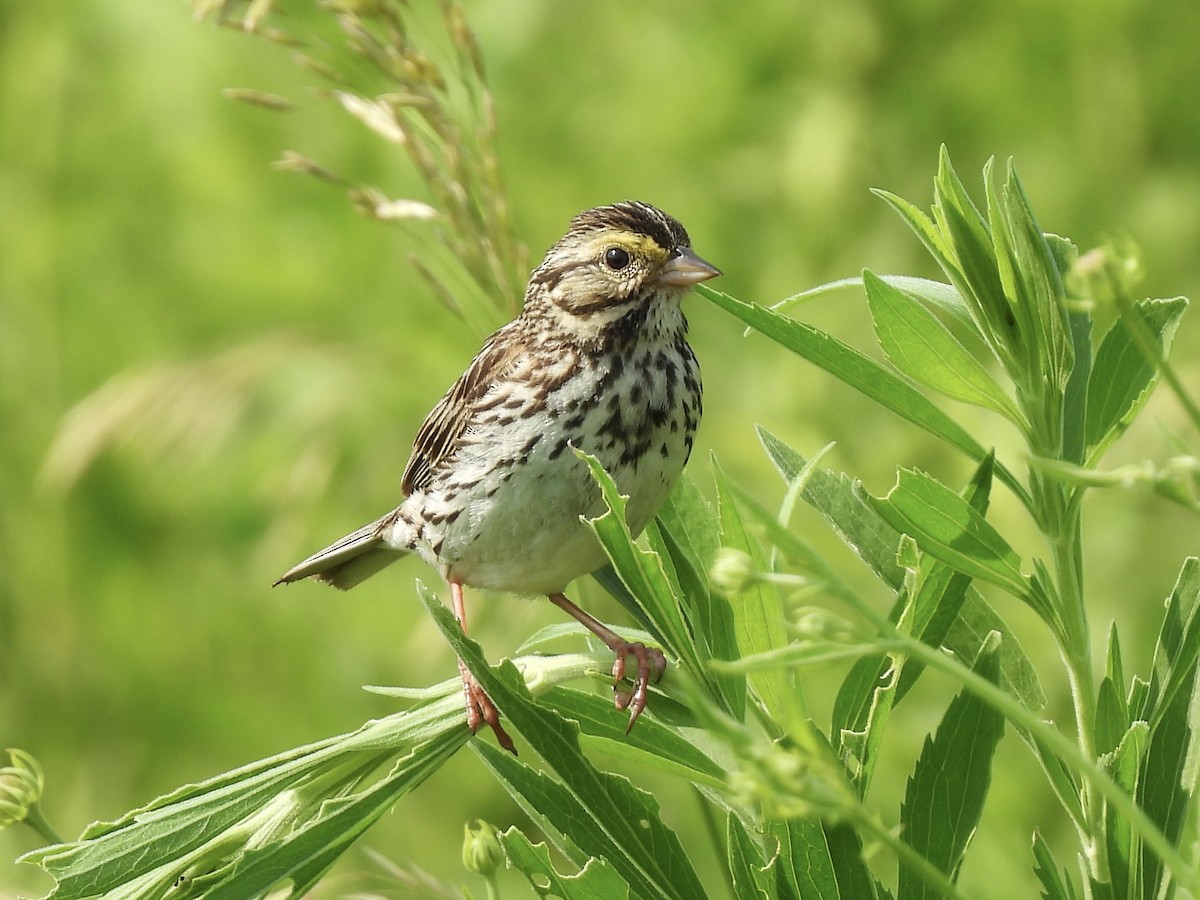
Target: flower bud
{"type": "Point", "coordinates": [481, 852]}
{"type": "Point", "coordinates": [20, 787]}
{"type": "Point", "coordinates": [732, 571]}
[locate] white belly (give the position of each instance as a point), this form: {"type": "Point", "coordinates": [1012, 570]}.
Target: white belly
{"type": "Point", "coordinates": [517, 527]}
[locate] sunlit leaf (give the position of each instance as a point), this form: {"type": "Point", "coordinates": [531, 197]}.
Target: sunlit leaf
{"type": "Point", "coordinates": [862, 373]}
{"type": "Point", "coordinates": [922, 348]}
{"type": "Point", "coordinates": [595, 881]}
{"type": "Point", "coordinates": [1122, 376]}
{"type": "Point", "coordinates": [946, 792]}
{"type": "Point", "coordinates": [601, 814]}
{"type": "Point", "coordinates": [945, 526]}
{"type": "Point", "coordinates": [758, 617]}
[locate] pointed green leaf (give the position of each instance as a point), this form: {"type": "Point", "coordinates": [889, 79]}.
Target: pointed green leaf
{"type": "Point", "coordinates": [946, 792]}
{"type": "Point", "coordinates": [804, 863]}
{"type": "Point", "coordinates": [651, 744]}
{"type": "Point", "coordinates": [690, 536]}
{"type": "Point", "coordinates": [923, 349]}
{"type": "Point", "coordinates": [746, 869]}
{"type": "Point", "coordinates": [837, 498]}
{"type": "Point", "coordinates": [758, 617]}
{"type": "Point", "coordinates": [861, 373]}
{"type": "Point", "coordinates": [1111, 723]}
{"type": "Point", "coordinates": [305, 854]}
{"type": "Point", "coordinates": [966, 232]}
{"type": "Point", "coordinates": [1166, 784]}
{"type": "Point", "coordinates": [163, 836]}
{"type": "Point", "coordinates": [642, 572]}
{"type": "Point", "coordinates": [1123, 764]}
{"type": "Point", "coordinates": [597, 880]}
{"type": "Point", "coordinates": [935, 294]}
{"type": "Point", "coordinates": [1037, 292]}
{"type": "Point", "coordinates": [946, 527]}
{"type": "Point", "coordinates": [1123, 377]}
{"type": "Point", "coordinates": [1075, 395]}
{"type": "Point", "coordinates": [854, 879]}
{"type": "Point", "coordinates": [603, 814]}
{"type": "Point", "coordinates": [1056, 885]}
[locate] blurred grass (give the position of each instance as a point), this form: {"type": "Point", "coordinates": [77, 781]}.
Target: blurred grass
{"type": "Point", "coordinates": [141, 229]}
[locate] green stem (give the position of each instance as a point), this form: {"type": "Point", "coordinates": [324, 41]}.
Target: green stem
{"type": "Point", "coordinates": [35, 820]}
{"type": "Point", "coordinates": [1077, 653]}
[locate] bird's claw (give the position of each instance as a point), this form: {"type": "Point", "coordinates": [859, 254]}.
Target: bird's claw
{"type": "Point", "coordinates": [649, 660]}
{"type": "Point", "coordinates": [481, 710]}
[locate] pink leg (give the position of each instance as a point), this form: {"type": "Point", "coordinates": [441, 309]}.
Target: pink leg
{"type": "Point", "coordinates": [480, 708]}
{"type": "Point", "coordinates": [648, 659]}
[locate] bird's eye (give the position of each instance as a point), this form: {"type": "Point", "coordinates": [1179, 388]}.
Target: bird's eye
{"type": "Point", "coordinates": [616, 258]}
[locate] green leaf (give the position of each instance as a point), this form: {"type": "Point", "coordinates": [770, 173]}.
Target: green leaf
{"type": "Point", "coordinates": [1123, 764]}
{"type": "Point", "coordinates": [974, 254]}
{"type": "Point", "coordinates": [854, 879]}
{"type": "Point", "coordinates": [840, 501]}
{"type": "Point", "coordinates": [758, 616]}
{"type": "Point", "coordinates": [948, 528]}
{"type": "Point", "coordinates": [643, 573]}
{"type": "Point", "coordinates": [602, 814]}
{"type": "Point", "coordinates": [750, 878]}
{"type": "Point", "coordinates": [860, 712]}
{"type": "Point", "coordinates": [1166, 785]}
{"type": "Point", "coordinates": [1075, 395]}
{"type": "Point", "coordinates": [946, 792]}
{"type": "Point", "coordinates": [1056, 885]}
{"type": "Point", "coordinates": [1034, 285]}
{"type": "Point", "coordinates": [305, 854]}
{"type": "Point", "coordinates": [212, 820]}
{"type": "Point", "coordinates": [804, 863]}
{"type": "Point", "coordinates": [1111, 722]}
{"type": "Point", "coordinates": [690, 535]}
{"type": "Point", "coordinates": [651, 744]}
{"type": "Point", "coordinates": [1123, 377]}
{"type": "Point", "coordinates": [861, 373]}
{"type": "Point", "coordinates": [597, 880]}
{"type": "Point", "coordinates": [922, 348]}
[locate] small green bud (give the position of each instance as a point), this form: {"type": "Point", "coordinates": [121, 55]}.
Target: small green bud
{"type": "Point", "coordinates": [732, 571]}
{"type": "Point", "coordinates": [481, 852]}
{"type": "Point", "coordinates": [815, 623]}
{"type": "Point", "coordinates": [20, 787]}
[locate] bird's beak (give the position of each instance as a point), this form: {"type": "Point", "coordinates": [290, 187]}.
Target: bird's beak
{"type": "Point", "coordinates": [685, 268]}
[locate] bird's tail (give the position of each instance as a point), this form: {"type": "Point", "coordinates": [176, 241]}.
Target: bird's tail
{"type": "Point", "coordinates": [346, 562]}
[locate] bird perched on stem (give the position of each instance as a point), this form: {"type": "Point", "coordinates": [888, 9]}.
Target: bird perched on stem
{"type": "Point", "coordinates": [597, 361]}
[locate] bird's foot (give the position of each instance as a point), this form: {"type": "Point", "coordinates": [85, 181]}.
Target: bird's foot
{"type": "Point", "coordinates": [481, 710]}
{"type": "Point", "coordinates": [650, 660]}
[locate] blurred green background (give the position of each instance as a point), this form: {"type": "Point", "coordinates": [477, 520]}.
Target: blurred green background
{"type": "Point", "coordinates": [142, 231]}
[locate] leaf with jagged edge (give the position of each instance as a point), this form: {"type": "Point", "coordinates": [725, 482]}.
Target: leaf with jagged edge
{"type": "Point", "coordinates": [837, 498]}
{"type": "Point", "coordinates": [1123, 377]}
{"type": "Point", "coordinates": [751, 880]}
{"type": "Point", "coordinates": [597, 880]}
{"type": "Point", "coordinates": [945, 794]}
{"type": "Point", "coordinates": [601, 814]}
{"type": "Point", "coordinates": [758, 617]}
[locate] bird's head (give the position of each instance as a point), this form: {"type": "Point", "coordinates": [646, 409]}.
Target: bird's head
{"type": "Point", "coordinates": [614, 261]}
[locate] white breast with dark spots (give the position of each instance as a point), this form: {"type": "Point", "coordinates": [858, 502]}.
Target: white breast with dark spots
{"type": "Point", "coordinates": [508, 518]}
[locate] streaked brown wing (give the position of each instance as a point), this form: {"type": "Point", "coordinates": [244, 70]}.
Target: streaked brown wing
{"type": "Point", "coordinates": [442, 428]}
